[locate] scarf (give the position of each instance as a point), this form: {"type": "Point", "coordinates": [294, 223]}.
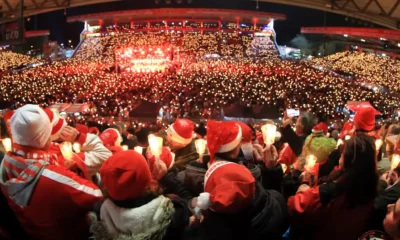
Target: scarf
{"type": "Point", "coordinates": [20, 171]}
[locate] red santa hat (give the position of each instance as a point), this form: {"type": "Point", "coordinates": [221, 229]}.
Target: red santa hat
{"type": "Point", "coordinates": [347, 128]}
{"type": "Point", "coordinates": [110, 137]}
{"type": "Point", "coordinates": [222, 137]}
{"type": "Point", "coordinates": [82, 128]}
{"type": "Point", "coordinates": [181, 131]}
{"type": "Point", "coordinates": [30, 126]}
{"type": "Point", "coordinates": [125, 175]}
{"type": "Point", "coordinates": [365, 119]}
{"type": "Point", "coordinates": [94, 130]}
{"type": "Point", "coordinates": [228, 188]}
{"type": "Point", "coordinates": [321, 128]}
{"type": "Point", "coordinates": [57, 123]}
{"type": "Point", "coordinates": [246, 132]}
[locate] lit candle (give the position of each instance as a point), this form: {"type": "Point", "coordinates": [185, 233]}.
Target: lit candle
{"type": "Point", "coordinates": [200, 145]}
{"type": "Point", "coordinates": [395, 161]}
{"type": "Point", "coordinates": [284, 167]}
{"type": "Point", "coordinates": [347, 137]}
{"type": "Point", "coordinates": [76, 147]}
{"type": "Point", "coordinates": [269, 132]}
{"type": "Point", "coordinates": [125, 147]}
{"type": "Point", "coordinates": [66, 150]}
{"type": "Point", "coordinates": [138, 149]}
{"type": "Point", "coordinates": [7, 144]}
{"type": "Point", "coordinates": [310, 162]}
{"type": "Point", "coordinates": [378, 144]}
{"type": "Point", "coordinates": [339, 142]}
{"type": "Point", "coordinates": [155, 144]}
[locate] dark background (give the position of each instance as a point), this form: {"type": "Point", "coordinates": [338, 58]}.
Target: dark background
{"type": "Point", "coordinates": [286, 30]}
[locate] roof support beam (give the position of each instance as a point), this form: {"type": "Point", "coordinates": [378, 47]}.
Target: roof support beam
{"type": "Point", "coordinates": [8, 5]}
{"type": "Point", "coordinates": [394, 7]}
{"type": "Point", "coordinates": [380, 7]}
{"type": "Point", "coordinates": [367, 5]}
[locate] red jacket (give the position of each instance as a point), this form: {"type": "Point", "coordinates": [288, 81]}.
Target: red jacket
{"type": "Point", "coordinates": [58, 204]}
{"type": "Point", "coordinates": [317, 214]}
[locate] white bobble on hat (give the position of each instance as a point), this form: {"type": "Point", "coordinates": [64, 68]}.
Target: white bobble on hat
{"type": "Point", "coordinates": [203, 201]}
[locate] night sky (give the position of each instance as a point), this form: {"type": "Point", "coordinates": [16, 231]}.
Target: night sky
{"type": "Point", "coordinates": [286, 30]}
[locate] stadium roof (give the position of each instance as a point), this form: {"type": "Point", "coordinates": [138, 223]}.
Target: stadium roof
{"type": "Point", "coordinates": [383, 12]}
{"type": "Point", "coordinates": [179, 13]}
{"type": "Point", "coordinates": [9, 8]}
{"type": "Point", "coordinates": [375, 38]}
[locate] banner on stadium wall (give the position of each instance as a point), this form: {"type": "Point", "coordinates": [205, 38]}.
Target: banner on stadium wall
{"type": "Point", "coordinates": [12, 33]}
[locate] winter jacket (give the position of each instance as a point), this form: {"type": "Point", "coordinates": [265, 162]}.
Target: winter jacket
{"type": "Point", "coordinates": [183, 157]}
{"type": "Point", "coordinates": [171, 185]}
{"type": "Point", "coordinates": [193, 176]}
{"type": "Point", "coordinates": [323, 213]}
{"type": "Point", "coordinates": [272, 178]}
{"type": "Point", "coordinates": [153, 218]}
{"type": "Point", "coordinates": [53, 203]}
{"type": "Point", "coordinates": [266, 219]}
{"type": "Point", "coordinates": [93, 153]}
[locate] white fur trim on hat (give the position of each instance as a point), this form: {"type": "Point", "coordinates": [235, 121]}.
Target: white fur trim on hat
{"type": "Point", "coordinates": [176, 137]}
{"type": "Point", "coordinates": [212, 169]}
{"type": "Point", "coordinates": [232, 145]}
{"type": "Point", "coordinates": [203, 201]}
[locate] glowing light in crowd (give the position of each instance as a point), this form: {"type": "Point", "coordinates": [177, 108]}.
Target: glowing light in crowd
{"type": "Point", "coordinates": [7, 144]}
{"type": "Point", "coordinates": [269, 133]}
{"type": "Point", "coordinates": [155, 144]}
{"type": "Point", "coordinates": [310, 162]}
{"type": "Point", "coordinates": [138, 149]}
{"type": "Point", "coordinates": [125, 147]}
{"type": "Point", "coordinates": [76, 147]}
{"type": "Point", "coordinates": [66, 150]}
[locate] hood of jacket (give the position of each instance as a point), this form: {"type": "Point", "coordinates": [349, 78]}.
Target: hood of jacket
{"type": "Point", "coordinates": [270, 214]}
{"type": "Point", "coordinates": [149, 221]}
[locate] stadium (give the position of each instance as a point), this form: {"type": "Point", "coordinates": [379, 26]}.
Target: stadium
{"type": "Point", "coordinates": [198, 120]}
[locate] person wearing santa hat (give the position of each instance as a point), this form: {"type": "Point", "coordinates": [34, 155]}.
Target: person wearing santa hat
{"type": "Point", "coordinates": [193, 176]}
{"type": "Point", "coordinates": [364, 121]}
{"type": "Point", "coordinates": [180, 139]}
{"type": "Point", "coordinates": [133, 207]}
{"type": "Point", "coordinates": [235, 206]}
{"type": "Point", "coordinates": [39, 191]}
{"type": "Point", "coordinates": [112, 140]}
{"type": "Point", "coordinates": [340, 208]}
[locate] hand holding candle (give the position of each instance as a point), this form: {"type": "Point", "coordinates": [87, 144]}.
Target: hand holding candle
{"type": "Point", "coordinates": [310, 162]}
{"type": "Point", "coordinates": [378, 144]}
{"type": "Point", "coordinates": [155, 144]}
{"type": "Point", "coordinates": [269, 133]}
{"type": "Point", "coordinates": [66, 150]}
{"type": "Point", "coordinates": [7, 144]}
{"type": "Point", "coordinates": [200, 145]}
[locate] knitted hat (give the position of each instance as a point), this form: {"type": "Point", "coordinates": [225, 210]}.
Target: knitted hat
{"type": "Point", "coordinates": [365, 119]}
{"type": "Point", "coordinates": [82, 128]}
{"type": "Point", "coordinates": [347, 127]}
{"type": "Point", "coordinates": [94, 130]}
{"type": "Point", "coordinates": [57, 123]}
{"type": "Point", "coordinates": [222, 137]}
{"type": "Point", "coordinates": [30, 126]}
{"type": "Point", "coordinates": [125, 175]}
{"type": "Point", "coordinates": [110, 137]}
{"type": "Point", "coordinates": [228, 188]}
{"type": "Point", "coordinates": [181, 131]}
{"type": "Point", "coordinates": [246, 132]}
{"type": "Point", "coordinates": [320, 146]}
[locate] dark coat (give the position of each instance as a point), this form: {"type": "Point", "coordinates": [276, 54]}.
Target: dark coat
{"type": "Point", "coordinates": [183, 157]}
{"type": "Point", "coordinates": [266, 219]}
{"type": "Point", "coordinates": [295, 142]}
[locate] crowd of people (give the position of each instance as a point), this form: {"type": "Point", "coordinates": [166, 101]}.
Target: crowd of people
{"type": "Point", "coordinates": [222, 180]}
{"type": "Point", "coordinates": [366, 67]}
{"type": "Point", "coordinates": [10, 60]}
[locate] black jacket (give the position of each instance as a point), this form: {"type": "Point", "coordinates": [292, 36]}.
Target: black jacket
{"type": "Point", "coordinates": [171, 185]}
{"type": "Point", "coordinates": [266, 219]}
{"type": "Point", "coordinates": [183, 157]}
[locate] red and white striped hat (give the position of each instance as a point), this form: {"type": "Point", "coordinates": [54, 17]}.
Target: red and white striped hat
{"type": "Point", "coordinates": [181, 131]}
{"type": "Point", "coordinates": [57, 123]}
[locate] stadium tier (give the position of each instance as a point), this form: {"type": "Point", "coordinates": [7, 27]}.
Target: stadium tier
{"type": "Point", "coordinates": [205, 34]}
